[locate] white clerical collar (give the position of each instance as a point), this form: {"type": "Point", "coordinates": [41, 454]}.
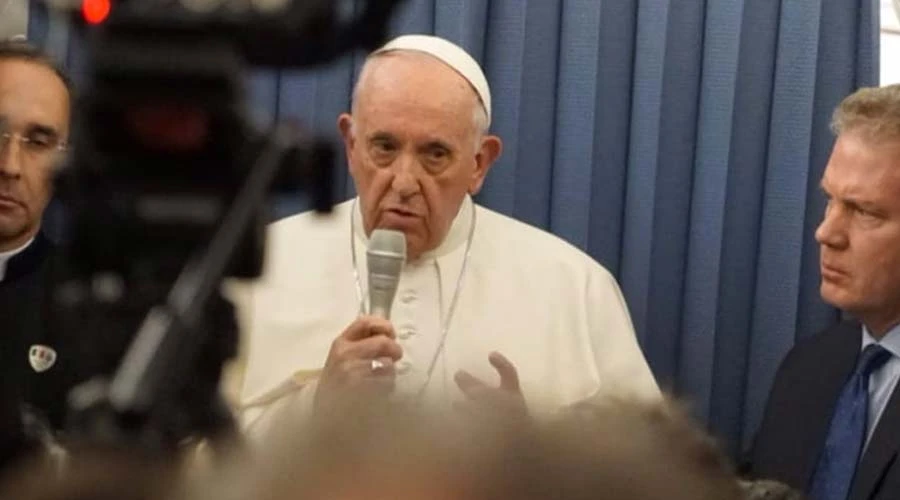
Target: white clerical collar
{"type": "Point", "coordinates": [456, 236]}
{"type": "Point", "coordinates": [9, 254]}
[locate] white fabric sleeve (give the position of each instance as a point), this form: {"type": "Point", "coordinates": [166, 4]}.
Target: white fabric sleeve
{"type": "Point", "coordinates": [287, 406]}
{"type": "Point", "coordinates": [623, 370]}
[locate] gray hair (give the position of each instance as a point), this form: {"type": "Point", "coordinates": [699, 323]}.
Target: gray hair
{"type": "Point", "coordinates": [872, 111]}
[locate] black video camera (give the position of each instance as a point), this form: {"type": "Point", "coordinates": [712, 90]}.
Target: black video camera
{"type": "Point", "coordinates": [167, 193]}
{"type": "Point", "coordinates": [164, 142]}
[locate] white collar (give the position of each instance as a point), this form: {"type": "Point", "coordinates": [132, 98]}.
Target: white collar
{"type": "Point", "coordinates": [9, 254]}
{"type": "Point", "coordinates": [456, 236]}
{"type": "Point", "coordinates": [890, 340]}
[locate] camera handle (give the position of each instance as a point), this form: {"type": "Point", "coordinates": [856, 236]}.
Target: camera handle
{"type": "Point", "coordinates": [179, 337]}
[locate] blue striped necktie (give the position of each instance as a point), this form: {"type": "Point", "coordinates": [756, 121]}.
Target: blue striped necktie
{"type": "Point", "coordinates": [847, 433]}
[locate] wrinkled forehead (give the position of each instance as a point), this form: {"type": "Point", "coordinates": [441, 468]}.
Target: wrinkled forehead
{"type": "Point", "coordinates": [453, 56]}
{"type": "Point", "coordinates": [415, 74]}
{"type": "Point", "coordinates": [862, 168]}
{"type": "Point", "coordinates": [415, 89]}
{"type": "Point", "coordinates": [31, 94]}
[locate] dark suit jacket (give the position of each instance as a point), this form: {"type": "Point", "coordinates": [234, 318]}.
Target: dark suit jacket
{"type": "Point", "coordinates": [20, 313]}
{"type": "Point", "coordinates": [86, 345]}
{"type": "Point", "coordinates": [799, 411]}
{"type": "Point", "coordinates": [26, 319]}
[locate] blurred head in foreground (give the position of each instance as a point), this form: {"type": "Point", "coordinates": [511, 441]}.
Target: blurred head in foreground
{"type": "Point", "coordinates": [100, 476]}
{"type": "Point", "coordinates": [616, 449]}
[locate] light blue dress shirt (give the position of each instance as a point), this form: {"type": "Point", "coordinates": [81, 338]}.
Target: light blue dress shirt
{"type": "Point", "coordinates": [882, 381]}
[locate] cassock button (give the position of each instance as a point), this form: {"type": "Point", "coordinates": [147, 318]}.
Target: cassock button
{"type": "Point", "coordinates": [406, 333]}
{"type": "Point", "coordinates": [403, 367]}
{"type": "Point", "coordinates": [408, 296]}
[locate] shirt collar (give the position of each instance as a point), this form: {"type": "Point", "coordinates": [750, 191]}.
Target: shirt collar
{"type": "Point", "coordinates": [890, 341]}
{"type": "Point", "coordinates": [456, 236]}
{"type": "Point", "coordinates": [9, 254]}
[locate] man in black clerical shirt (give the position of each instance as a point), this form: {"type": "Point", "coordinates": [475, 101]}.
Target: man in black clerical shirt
{"type": "Point", "coordinates": [35, 103]}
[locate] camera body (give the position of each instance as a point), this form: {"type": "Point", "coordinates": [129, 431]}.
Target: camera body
{"type": "Point", "coordinates": [168, 192]}
{"type": "Point", "coordinates": [163, 141]}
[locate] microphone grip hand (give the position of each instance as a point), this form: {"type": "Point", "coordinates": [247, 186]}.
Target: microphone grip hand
{"type": "Point", "coordinates": [359, 365]}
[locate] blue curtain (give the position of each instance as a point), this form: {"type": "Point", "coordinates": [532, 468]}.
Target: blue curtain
{"type": "Point", "coordinates": [678, 142]}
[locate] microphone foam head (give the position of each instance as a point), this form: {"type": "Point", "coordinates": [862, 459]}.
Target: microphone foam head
{"type": "Point", "coordinates": [388, 241]}
{"type": "Point", "coordinates": [384, 257]}
{"type": "Point", "coordinates": [387, 251]}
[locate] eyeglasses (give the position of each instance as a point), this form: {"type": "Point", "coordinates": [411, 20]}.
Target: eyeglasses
{"type": "Point", "coordinates": [35, 144]}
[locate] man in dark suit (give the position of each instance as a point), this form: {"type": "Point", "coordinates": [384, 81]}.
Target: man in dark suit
{"type": "Point", "coordinates": [832, 422]}
{"type": "Point", "coordinates": [34, 126]}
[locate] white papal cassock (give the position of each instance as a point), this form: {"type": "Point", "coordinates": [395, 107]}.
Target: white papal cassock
{"type": "Point", "coordinates": [548, 307]}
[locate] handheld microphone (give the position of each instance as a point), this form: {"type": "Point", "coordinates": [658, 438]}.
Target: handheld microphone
{"type": "Point", "coordinates": [384, 259]}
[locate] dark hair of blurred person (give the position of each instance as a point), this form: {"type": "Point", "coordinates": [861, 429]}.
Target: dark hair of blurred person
{"type": "Point", "coordinates": [620, 449]}
{"type": "Point", "coordinates": [96, 476]}
{"type": "Point", "coordinates": [616, 450]}
{"type": "Point", "coordinates": [767, 489]}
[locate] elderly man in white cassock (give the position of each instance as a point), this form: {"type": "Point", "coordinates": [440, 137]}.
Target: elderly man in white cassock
{"type": "Point", "coordinates": [488, 309]}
